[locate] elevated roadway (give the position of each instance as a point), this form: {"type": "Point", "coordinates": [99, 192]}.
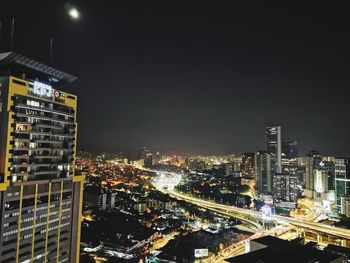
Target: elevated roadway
{"type": "Point", "coordinates": [254, 216]}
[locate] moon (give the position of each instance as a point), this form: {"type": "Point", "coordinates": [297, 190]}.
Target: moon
{"type": "Point", "coordinates": [74, 13]}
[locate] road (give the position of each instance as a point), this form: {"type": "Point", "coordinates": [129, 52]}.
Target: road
{"type": "Point", "coordinates": [250, 215]}
{"type": "Point", "coordinates": [163, 241]}
{"type": "Point", "coordinates": [247, 215]}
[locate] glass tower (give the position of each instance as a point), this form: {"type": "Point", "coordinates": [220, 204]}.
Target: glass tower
{"type": "Point", "coordinates": [274, 146]}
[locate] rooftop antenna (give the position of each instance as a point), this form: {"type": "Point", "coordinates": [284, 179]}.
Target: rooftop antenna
{"type": "Point", "coordinates": [0, 34]}
{"type": "Point", "coordinates": [51, 50]}
{"type": "Point", "coordinates": [12, 34]}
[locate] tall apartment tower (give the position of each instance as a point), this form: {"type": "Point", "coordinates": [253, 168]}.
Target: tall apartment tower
{"type": "Point", "coordinates": [274, 146]}
{"type": "Point", "coordinates": [40, 194]}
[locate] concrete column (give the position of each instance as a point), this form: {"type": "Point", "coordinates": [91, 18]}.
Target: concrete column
{"type": "Point", "coordinates": [343, 243]}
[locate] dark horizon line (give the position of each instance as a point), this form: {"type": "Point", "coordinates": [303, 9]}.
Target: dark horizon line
{"type": "Point", "coordinates": [190, 154]}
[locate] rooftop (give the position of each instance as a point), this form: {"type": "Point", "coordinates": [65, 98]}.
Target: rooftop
{"type": "Point", "coordinates": [278, 250]}
{"type": "Point", "coordinates": [25, 65]}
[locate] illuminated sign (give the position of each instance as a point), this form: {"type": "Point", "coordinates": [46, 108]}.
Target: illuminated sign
{"type": "Point", "coordinates": [201, 252]}
{"type": "Point", "coordinates": [42, 89]}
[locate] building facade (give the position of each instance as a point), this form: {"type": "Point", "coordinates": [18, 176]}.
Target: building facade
{"type": "Point", "coordinates": [40, 192]}
{"type": "Point", "coordinates": [263, 172]}
{"type": "Point", "coordinates": [309, 176]}
{"type": "Point", "coordinates": [310, 162]}
{"type": "Point", "coordinates": [290, 150]}
{"type": "Point", "coordinates": [345, 205]}
{"type": "Point", "coordinates": [285, 188]}
{"type": "Point", "coordinates": [342, 178]}
{"type": "Point", "coordinates": [274, 146]}
{"type": "Point", "coordinates": [248, 165]}
{"type": "Point", "coordinates": [290, 160]}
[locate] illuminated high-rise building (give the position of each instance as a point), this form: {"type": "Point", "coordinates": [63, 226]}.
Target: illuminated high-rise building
{"type": "Point", "coordinates": [290, 160]}
{"type": "Point", "coordinates": [274, 146]}
{"type": "Point", "coordinates": [342, 178]}
{"type": "Point", "coordinates": [248, 165]}
{"type": "Point", "coordinates": [40, 193]}
{"type": "Point", "coordinates": [263, 172]}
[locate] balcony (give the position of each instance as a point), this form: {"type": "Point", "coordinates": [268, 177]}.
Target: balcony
{"type": "Point", "coordinates": [49, 126]}
{"type": "Point", "coordinates": [44, 172]}
{"type": "Point", "coordinates": [46, 141]}
{"type": "Point", "coordinates": [21, 156]}
{"type": "Point", "coordinates": [59, 134]}
{"type": "Point", "coordinates": [45, 109]}
{"type": "Point", "coordinates": [45, 118]}
{"type": "Point", "coordinates": [47, 156]}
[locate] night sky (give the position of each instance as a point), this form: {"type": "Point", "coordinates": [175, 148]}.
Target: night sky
{"type": "Point", "coordinates": [194, 78]}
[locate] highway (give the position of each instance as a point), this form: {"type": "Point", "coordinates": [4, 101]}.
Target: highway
{"type": "Point", "coordinates": [246, 215]}
{"type": "Point", "coordinates": [250, 215]}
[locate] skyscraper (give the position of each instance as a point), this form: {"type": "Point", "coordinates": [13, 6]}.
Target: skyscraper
{"type": "Point", "coordinates": [263, 172]}
{"type": "Point", "coordinates": [290, 160]}
{"type": "Point", "coordinates": [274, 146]}
{"type": "Point", "coordinates": [40, 193]}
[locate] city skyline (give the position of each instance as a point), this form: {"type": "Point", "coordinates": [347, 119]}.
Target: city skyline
{"type": "Point", "coordinates": [170, 132]}
{"type": "Point", "coordinates": [196, 80]}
